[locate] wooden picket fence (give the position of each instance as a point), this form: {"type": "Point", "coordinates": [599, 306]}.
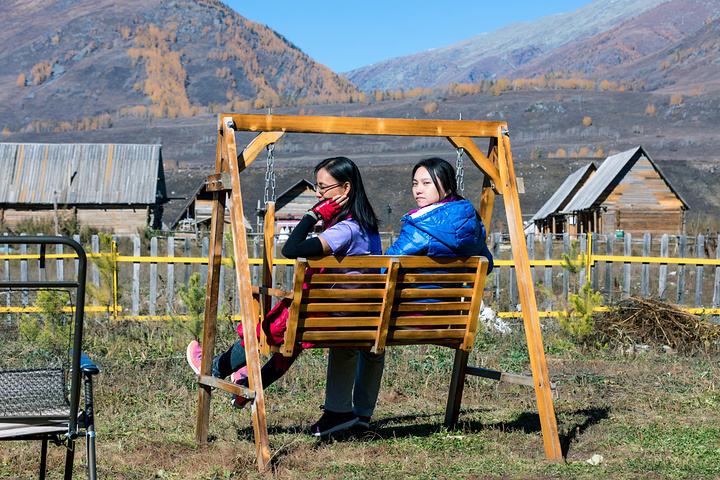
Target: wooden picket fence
{"type": "Point", "coordinates": [146, 275]}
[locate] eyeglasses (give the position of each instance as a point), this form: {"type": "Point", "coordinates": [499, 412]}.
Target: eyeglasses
{"type": "Point", "coordinates": [322, 190]}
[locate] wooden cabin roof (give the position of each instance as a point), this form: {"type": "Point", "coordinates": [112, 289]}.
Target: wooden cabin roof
{"type": "Point", "coordinates": [81, 174]}
{"type": "Point", "coordinates": [565, 193]}
{"type": "Point", "coordinates": [296, 200]}
{"type": "Point", "coordinates": [608, 175]}
{"type": "Point", "coordinates": [202, 200]}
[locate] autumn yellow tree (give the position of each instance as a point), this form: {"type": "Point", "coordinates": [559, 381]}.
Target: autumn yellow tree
{"type": "Point", "coordinates": [676, 99]}
{"type": "Point", "coordinates": [41, 72]}
{"type": "Point", "coordinates": [587, 121]}
{"type": "Point", "coordinates": [431, 108]}
{"type": "Point", "coordinates": [166, 80]}
{"type": "Point", "coordinates": [650, 110]}
{"type": "Point", "coordinates": [21, 80]}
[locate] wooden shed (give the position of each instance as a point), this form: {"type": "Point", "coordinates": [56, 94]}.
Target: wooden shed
{"type": "Point", "coordinates": [292, 205]}
{"type": "Point", "coordinates": [549, 219]}
{"type": "Point", "coordinates": [627, 193]}
{"type": "Point", "coordinates": [113, 187]}
{"type": "Point", "coordinates": [196, 212]}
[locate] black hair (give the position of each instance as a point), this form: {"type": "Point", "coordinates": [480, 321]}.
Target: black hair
{"type": "Point", "coordinates": [442, 175]}
{"type": "Point", "coordinates": [358, 206]}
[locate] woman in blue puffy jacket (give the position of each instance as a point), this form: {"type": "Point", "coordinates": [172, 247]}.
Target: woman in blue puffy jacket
{"type": "Point", "coordinates": [444, 224]}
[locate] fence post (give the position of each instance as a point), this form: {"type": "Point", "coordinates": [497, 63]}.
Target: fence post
{"type": "Point", "coordinates": [136, 277]}
{"type": "Point", "coordinates": [24, 274]}
{"type": "Point", "coordinates": [7, 279]}
{"type": "Point", "coordinates": [152, 307]}
{"type": "Point", "coordinates": [170, 286]}
{"type": "Point", "coordinates": [496, 271]}
{"type": "Point", "coordinates": [256, 254]}
{"type": "Point", "coordinates": [512, 287]}
{"type": "Point", "coordinates": [716, 289]}
{"type": "Point", "coordinates": [289, 275]}
{"type": "Point", "coordinates": [645, 275]}
{"type": "Point", "coordinates": [584, 251]}
{"type": "Point", "coordinates": [682, 249]}
{"type": "Point", "coordinates": [42, 273]}
{"type": "Point", "coordinates": [627, 251]}
{"type": "Point", "coordinates": [609, 251]}
{"type": "Point", "coordinates": [700, 245]}
{"type": "Point", "coordinates": [187, 251]}
{"type": "Point", "coordinates": [205, 252]}
{"type": "Point", "coordinates": [566, 274]}
{"type": "Point", "coordinates": [548, 272]}
{"type": "Point", "coordinates": [116, 267]}
{"type": "Point", "coordinates": [76, 237]}
{"type": "Point", "coordinates": [221, 283]}
{"type": "Point", "coordinates": [95, 248]}
{"type": "Point", "coordinates": [530, 241]}
{"type": "Point", "coordinates": [59, 263]}
{"type": "Point", "coordinates": [662, 280]}
{"type": "Point", "coordinates": [594, 242]}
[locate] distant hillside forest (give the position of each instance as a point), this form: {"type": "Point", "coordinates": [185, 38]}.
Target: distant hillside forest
{"type": "Point", "coordinates": [165, 87]}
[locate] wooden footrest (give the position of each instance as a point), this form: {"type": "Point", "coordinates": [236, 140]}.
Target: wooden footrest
{"type": "Point", "coordinates": [505, 377]}
{"type": "Point", "coordinates": [226, 386]}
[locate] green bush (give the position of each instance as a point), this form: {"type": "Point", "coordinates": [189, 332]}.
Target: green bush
{"type": "Point", "coordinates": [578, 321]}
{"type": "Point", "coordinates": [48, 330]}
{"type": "Point", "coordinates": [193, 296]}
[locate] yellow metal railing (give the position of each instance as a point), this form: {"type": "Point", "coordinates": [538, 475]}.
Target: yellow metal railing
{"type": "Point", "coordinates": [589, 258]}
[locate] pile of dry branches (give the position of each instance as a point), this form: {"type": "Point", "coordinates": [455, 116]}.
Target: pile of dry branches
{"type": "Point", "coordinates": [652, 322]}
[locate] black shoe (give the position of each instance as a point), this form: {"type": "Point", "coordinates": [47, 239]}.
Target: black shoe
{"type": "Point", "coordinates": [332, 422]}
{"type": "Point", "coordinates": [363, 422]}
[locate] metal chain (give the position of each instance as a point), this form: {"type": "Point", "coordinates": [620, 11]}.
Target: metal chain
{"type": "Point", "coordinates": [460, 171]}
{"type": "Point", "coordinates": [269, 195]}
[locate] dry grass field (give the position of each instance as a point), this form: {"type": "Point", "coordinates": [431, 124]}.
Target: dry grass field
{"type": "Point", "coordinates": [638, 412]}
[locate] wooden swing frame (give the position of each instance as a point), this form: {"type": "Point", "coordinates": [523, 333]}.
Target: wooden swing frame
{"type": "Point", "coordinates": [497, 166]}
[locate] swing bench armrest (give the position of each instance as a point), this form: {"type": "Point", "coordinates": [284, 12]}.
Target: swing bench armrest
{"type": "Point", "coordinates": [273, 292]}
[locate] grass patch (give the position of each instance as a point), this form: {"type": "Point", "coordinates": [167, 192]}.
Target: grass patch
{"type": "Point", "coordinates": [649, 414]}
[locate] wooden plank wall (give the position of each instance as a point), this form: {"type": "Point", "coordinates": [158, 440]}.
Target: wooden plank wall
{"type": "Point", "coordinates": [123, 221]}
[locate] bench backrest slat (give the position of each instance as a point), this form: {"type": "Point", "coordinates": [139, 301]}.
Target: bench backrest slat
{"type": "Point", "coordinates": [383, 300]}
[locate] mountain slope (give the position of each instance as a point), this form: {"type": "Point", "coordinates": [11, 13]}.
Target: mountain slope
{"type": "Point", "coordinates": [692, 64]}
{"type": "Point", "coordinates": [73, 59]}
{"type": "Point", "coordinates": [628, 42]}
{"type": "Point", "coordinates": [587, 40]}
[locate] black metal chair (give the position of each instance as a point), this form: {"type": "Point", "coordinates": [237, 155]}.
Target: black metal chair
{"type": "Point", "coordinates": [34, 402]}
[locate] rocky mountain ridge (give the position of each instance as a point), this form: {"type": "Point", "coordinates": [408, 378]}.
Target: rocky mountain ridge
{"type": "Point", "coordinates": [585, 43]}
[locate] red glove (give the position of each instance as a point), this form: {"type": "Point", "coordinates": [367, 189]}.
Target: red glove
{"type": "Point", "coordinates": [326, 209]}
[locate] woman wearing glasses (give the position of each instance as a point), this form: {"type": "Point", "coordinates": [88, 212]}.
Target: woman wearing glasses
{"type": "Point", "coordinates": [350, 228]}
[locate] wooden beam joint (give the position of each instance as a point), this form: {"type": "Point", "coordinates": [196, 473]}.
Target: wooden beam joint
{"type": "Point", "coordinates": [218, 182]}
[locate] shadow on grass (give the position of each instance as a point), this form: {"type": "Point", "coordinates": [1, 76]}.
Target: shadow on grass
{"type": "Point", "coordinates": [429, 424]}
{"type": "Point", "coordinates": [587, 418]}
{"type": "Point", "coordinates": [530, 423]}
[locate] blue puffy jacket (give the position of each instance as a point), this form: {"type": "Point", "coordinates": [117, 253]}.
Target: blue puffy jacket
{"type": "Point", "coordinates": [442, 229]}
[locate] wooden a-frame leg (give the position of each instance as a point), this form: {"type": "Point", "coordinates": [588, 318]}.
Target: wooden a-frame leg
{"type": "Point", "coordinates": [242, 272]}
{"type": "Point", "coordinates": [533, 334]}
{"type": "Point", "coordinates": [210, 317]}
{"type": "Point", "coordinates": [457, 384]}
